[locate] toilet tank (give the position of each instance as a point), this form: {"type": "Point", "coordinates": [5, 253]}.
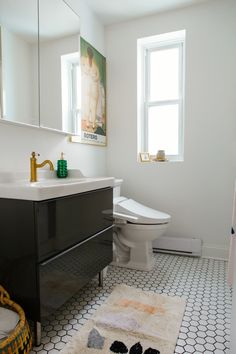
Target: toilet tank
{"type": "Point", "coordinates": [117, 186]}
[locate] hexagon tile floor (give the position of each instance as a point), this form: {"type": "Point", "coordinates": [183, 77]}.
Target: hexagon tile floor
{"type": "Point", "coordinates": [202, 282]}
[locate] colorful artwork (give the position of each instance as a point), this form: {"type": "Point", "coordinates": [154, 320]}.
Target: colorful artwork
{"type": "Point", "coordinates": [93, 95]}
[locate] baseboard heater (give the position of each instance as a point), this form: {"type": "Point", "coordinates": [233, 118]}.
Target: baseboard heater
{"type": "Point", "coordinates": [178, 245]}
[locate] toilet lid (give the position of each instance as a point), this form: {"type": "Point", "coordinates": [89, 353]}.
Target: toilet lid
{"type": "Point", "coordinates": [144, 214]}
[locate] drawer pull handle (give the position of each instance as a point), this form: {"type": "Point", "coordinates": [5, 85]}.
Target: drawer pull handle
{"type": "Point", "coordinates": [75, 246]}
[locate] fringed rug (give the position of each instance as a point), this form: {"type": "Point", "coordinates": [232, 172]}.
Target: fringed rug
{"type": "Point", "coordinates": [131, 321]}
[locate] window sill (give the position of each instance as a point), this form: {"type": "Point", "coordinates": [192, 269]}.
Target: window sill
{"type": "Point", "coordinates": [160, 162]}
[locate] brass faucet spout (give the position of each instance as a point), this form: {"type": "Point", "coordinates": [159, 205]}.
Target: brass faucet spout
{"type": "Point", "coordinates": [39, 165]}
{"type": "Point", "coordinates": [34, 165]}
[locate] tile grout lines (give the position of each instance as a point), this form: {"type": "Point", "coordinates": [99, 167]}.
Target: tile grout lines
{"type": "Point", "coordinates": [202, 282]}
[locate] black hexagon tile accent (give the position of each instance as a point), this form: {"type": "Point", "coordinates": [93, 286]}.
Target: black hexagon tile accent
{"type": "Point", "coordinates": [202, 282]}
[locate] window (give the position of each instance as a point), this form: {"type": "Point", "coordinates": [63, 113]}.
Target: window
{"type": "Point", "coordinates": [75, 97]}
{"type": "Point", "coordinates": [161, 94]}
{"type": "Point", "coordinates": [70, 92]}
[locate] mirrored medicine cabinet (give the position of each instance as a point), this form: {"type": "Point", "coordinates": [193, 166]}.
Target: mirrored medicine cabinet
{"type": "Point", "coordinates": [39, 64]}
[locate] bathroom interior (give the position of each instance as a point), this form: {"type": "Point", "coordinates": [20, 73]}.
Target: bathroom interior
{"type": "Point", "coordinates": [90, 196]}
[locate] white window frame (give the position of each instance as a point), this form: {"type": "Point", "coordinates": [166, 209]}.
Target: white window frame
{"type": "Point", "coordinates": [145, 47]}
{"type": "Point", "coordinates": [69, 93]}
{"type": "Point", "coordinates": [75, 110]}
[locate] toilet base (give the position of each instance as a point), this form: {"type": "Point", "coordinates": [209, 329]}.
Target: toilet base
{"type": "Point", "coordinates": [136, 265]}
{"type": "Point", "coordinates": [141, 257]}
{"type": "Point", "coordinates": [134, 255]}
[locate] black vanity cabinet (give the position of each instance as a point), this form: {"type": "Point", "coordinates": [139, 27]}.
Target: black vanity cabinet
{"type": "Point", "coordinates": [50, 249]}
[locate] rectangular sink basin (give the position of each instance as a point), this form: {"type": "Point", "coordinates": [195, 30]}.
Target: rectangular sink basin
{"type": "Point", "coordinates": [17, 185]}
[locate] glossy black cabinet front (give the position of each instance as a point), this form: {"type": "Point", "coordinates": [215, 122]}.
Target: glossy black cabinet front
{"type": "Point", "coordinates": [50, 249]}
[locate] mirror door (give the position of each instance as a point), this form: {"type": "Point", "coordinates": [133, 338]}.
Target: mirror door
{"type": "Point", "coordinates": [59, 29]}
{"type": "Point", "coordinates": [39, 64]}
{"type": "Point", "coordinates": [19, 61]}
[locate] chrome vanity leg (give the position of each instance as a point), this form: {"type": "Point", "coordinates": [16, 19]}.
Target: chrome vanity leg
{"type": "Point", "coordinates": [37, 333]}
{"type": "Point", "coordinates": [100, 276]}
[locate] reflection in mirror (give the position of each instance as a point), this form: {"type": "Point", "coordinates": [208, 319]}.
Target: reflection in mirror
{"type": "Point", "coordinates": [19, 61]}
{"type": "Point", "coordinates": [59, 66]}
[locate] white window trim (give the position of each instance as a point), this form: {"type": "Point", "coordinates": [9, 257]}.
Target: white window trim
{"type": "Point", "coordinates": [75, 111]}
{"type": "Point", "coordinates": [69, 92]}
{"type": "Point", "coordinates": [145, 47]}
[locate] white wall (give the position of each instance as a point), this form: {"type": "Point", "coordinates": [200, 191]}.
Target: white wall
{"type": "Point", "coordinates": [16, 143]}
{"type": "Point", "coordinates": [197, 193]}
{"type": "Point", "coordinates": [16, 76]}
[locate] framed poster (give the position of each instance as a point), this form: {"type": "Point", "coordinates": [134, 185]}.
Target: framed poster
{"type": "Point", "coordinates": [93, 95]}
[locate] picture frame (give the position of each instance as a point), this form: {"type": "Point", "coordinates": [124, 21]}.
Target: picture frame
{"type": "Point", "coordinates": [144, 157]}
{"type": "Point", "coordinates": [93, 95]}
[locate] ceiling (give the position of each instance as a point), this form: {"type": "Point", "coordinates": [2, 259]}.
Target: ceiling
{"type": "Point", "coordinates": [113, 11]}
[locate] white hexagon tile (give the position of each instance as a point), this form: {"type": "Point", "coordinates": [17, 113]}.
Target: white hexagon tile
{"type": "Point", "coordinates": [202, 282]}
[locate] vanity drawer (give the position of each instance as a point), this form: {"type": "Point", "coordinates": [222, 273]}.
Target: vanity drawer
{"type": "Point", "coordinates": [50, 249]}
{"type": "Point", "coordinates": [64, 222]}
{"type": "Point", "coordinates": [63, 275]}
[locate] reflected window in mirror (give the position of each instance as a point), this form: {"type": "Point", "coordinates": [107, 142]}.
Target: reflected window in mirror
{"type": "Point", "coordinates": [70, 90]}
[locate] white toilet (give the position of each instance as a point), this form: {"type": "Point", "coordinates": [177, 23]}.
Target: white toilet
{"type": "Point", "coordinates": [136, 226]}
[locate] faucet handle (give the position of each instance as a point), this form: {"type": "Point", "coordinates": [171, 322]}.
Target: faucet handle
{"type": "Point", "coordinates": [34, 154]}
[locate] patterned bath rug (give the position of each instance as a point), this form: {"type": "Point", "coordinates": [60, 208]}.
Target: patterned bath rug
{"type": "Point", "coordinates": [131, 321]}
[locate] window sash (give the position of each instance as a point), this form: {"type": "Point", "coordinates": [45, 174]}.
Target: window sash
{"type": "Point", "coordinates": [168, 103]}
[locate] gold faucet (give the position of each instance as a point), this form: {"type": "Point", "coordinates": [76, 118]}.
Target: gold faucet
{"type": "Point", "coordinates": [34, 165]}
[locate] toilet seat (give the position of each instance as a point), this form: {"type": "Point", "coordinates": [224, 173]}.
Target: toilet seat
{"type": "Point", "coordinates": [142, 214]}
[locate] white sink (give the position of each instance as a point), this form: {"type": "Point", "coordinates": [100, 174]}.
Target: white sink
{"type": "Point", "coordinates": [17, 185]}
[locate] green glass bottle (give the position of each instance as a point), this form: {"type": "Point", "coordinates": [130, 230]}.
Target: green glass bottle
{"type": "Point", "coordinates": [62, 167]}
